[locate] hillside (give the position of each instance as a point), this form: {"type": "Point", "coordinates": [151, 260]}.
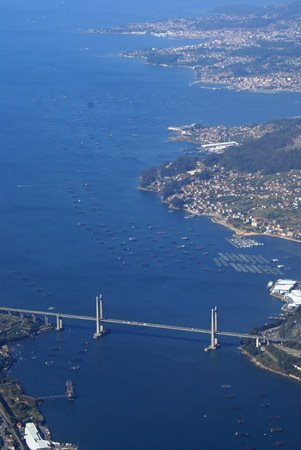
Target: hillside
{"type": "Point", "coordinates": [277, 151]}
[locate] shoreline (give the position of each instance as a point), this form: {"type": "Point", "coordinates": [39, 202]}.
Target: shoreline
{"type": "Point", "coordinates": [241, 233]}
{"type": "Point", "coordinates": [215, 86]}
{"type": "Point", "coordinates": [9, 385]}
{"type": "Point", "coordinates": [256, 363]}
{"type": "Point", "coordinates": [238, 232]}
{"type": "Point", "coordinates": [215, 219]}
{"type": "Point", "coordinates": [208, 84]}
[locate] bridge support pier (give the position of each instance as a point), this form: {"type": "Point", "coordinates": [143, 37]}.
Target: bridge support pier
{"type": "Point", "coordinates": [258, 344]}
{"type": "Point", "coordinates": [99, 316]}
{"type": "Point", "coordinates": [214, 341]}
{"type": "Point", "coordinates": [46, 321]}
{"type": "Point", "coordinates": [34, 319]}
{"type": "Point", "coordinates": [59, 323]}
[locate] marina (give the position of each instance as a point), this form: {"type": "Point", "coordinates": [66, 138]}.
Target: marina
{"type": "Point", "coordinates": [240, 242]}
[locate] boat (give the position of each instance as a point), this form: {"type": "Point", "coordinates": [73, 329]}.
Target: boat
{"type": "Point", "coordinates": [241, 434]}
{"type": "Point", "coordinates": [69, 390]}
{"type": "Point", "coordinates": [275, 429]}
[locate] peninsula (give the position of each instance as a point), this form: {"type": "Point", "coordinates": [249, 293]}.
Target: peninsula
{"type": "Point", "coordinates": [246, 178]}
{"type": "Point", "coordinates": [247, 48]}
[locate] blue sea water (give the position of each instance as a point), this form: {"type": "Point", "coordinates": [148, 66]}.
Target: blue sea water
{"type": "Point", "coordinates": [78, 125]}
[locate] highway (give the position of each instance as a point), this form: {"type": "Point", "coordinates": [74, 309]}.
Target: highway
{"type": "Point", "coordinates": [131, 323]}
{"type": "Point", "coordinates": [179, 328]}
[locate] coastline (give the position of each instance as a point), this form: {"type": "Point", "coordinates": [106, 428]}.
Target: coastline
{"type": "Point", "coordinates": [256, 363]}
{"type": "Point", "coordinates": [10, 387]}
{"type": "Point", "coordinates": [229, 87]}
{"type": "Point", "coordinates": [241, 233]}
{"type": "Point", "coordinates": [215, 86]}
{"type": "Point", "coordinates": [215, 219]}
{"type": "Point", "coordinates": [238, 232]}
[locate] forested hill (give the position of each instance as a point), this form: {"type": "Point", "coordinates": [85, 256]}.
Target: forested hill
{"type": "Point", "coordinates": [278, 151]}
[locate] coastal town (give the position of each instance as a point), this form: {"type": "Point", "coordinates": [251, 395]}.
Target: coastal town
{"type": "Point", "coordinates": [212, 138]}
{"type": "Point", "coordinates": [246, 178]}
{"type": "Point", "coordinates": [247, 203]}
{"type": "Point", "coordinates": [251, 49]}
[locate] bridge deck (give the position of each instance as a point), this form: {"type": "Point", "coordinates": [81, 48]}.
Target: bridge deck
{"type": "Point", "coordinates": [133, 323]}
{"type": "Point", "coordinates": [179, 328]}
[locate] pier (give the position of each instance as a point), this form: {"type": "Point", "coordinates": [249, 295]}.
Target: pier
{"type": "Point", "coordinates": [100, 323]}
{"type": "Point", "coordinates": [69, 393]}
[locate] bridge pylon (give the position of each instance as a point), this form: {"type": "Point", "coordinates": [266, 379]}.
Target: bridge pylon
{"type": "Point", "coordinates": [99, 316]}
{"type": "Point", "coordinates": [59, 323]}
{"type": "Point", "coordinates": [213, 332]}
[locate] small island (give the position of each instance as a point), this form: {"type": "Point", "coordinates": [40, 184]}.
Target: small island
{"type": "Point", "coordinates": [246, 178]}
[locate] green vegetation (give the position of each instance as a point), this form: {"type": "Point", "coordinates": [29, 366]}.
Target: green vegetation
{"type": "Point", "coordinates": [253, 186]}
{"type": "Point", "coordinates": [290, 328]}
{"type": "Point", "coordinates": [14, 327]}
{"type": "Point", "coordinates": [274, 359]}
{"type": "Point", "coordinates": [181, 165]}
{"type": "Point", "coordinates": [286, 358]}
{"type": "Point", "coordinates": [263, 56]}
{"type": "Point", "coordinates": [19, 406]}
{"type": "Point", "coordinates": [278, 151]}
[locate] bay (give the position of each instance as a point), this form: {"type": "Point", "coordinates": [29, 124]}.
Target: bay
{"type": "Point", "coordinates": [78, 125]}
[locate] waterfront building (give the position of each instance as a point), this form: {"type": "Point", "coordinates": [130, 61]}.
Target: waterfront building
{"type": "Point", "coordinates": [294, 298]}
{"type": "Point", "coordinates": [33, 439]}
{"type": "Point", "coordinates": [283, 287]}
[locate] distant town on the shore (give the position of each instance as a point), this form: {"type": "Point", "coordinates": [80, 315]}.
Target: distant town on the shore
{"type": "Point", "coordinates": [239, 47]}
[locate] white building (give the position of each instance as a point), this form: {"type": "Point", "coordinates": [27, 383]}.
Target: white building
{"type": "Point", "coordinates": [33, 438]}
{"type": "Point", "coordinates": [283, 287]}
{"type": "Point", "coordinates": [294, 298]}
